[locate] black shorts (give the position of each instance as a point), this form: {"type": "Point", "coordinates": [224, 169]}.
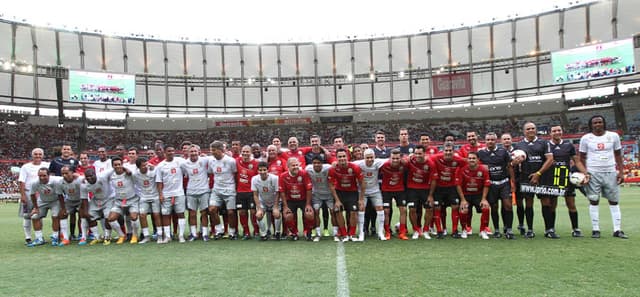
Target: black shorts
{"type": "Point", "coordinates": [401, 199]}
{"type": "Point", "coordinates": [417, 198]}
{"type": "Point", "coordinates": [245, 201]}
{"type": "Point", "coordinates": [446, 196]}
{"type": "Point", "coordinates": [349, 200]}
{"type": "Point", "coordinates": [294, 205]}
{"type": "Point", "coordinates": [474, 201]}
{"type": "Point", "coordinates": [499, 192]}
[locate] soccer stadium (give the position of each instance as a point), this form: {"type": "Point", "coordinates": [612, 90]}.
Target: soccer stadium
{"type": "Point", "coordinates": [476, 148]}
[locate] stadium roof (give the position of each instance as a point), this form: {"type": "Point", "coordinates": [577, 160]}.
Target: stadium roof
{"type": "Point", "coordinates": [259, 21]}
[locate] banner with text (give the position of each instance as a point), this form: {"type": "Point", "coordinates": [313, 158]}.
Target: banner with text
{"type": "Point", "coordinates": [451, 85]}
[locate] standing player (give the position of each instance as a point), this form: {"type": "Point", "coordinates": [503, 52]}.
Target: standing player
{"type": "Point", "coordinates": [65, 159]}
{"type": "Point", "coordinates": [45, 196]}
{"type": "Point", "coordinates": [246, 169]}
{"type": "Point", "coordinates": [145, 180]}
{"type": "Point", "coordinates": [419, 170]}
{"type": "Point", "coordinates": [266, 198]}
{"type": "Point", "coordinates": [196, 169]}
{"type": "Point", "coordinates": [28, 175]}
{"type": "Point", "coordinates": [473, 187]}
{"type": "Point", "coordinates": [171, 195]}
{"type": "Point", "coordinates": [563, 153]}
{"type": "Point", "coordinates": [103, 163]}
{"type": "Point", "coordinates": [425, 140]}
{"type": "Point", "coordinates": [472, 144]}
{"type": "Point", "coordinates": [344, 180]}
{"type": "Point", "coordinates": [405, 146]}
{"type": "Point", "coordinates": [295, 192]}
{"type": "Point", "coordinates": [601, 151]}
{"type": "Point", "coordinates": [224, 171]}
{"type": "Point", "coordinates": [321, 194]}
{"type": "Point", "coordinates": [501, 175]}
{"type": "Point", "coordinates": [381, 150]}
{"type": "Point", "coordinates": [235, 149]}
{"type": "Point", "coordinates": [539, 159]}
{"type": "Point", "coordinates": [443, 191]}
{"type": "Point", "coordinates": [276, 165]}
{"type": "Point", "coordinates": [295, 152]}
{"type": "Point", "coordinates": [370, 168]}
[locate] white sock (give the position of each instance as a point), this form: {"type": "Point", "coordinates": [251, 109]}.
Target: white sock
{"type": "Point", "coordinates": [116, 226]}
{"type": "Point", "coordinates": [55, 235]}
{"type": "Point", "coordinates": [219, 229]}
{"type": "Point", "coordinates": [380, 218]}
{"type": "Point", "coordinates": [278, 225]}
{"type": "Point", "coordinates": [145, 232]}
{"type": "Point", "coordinates": [361, 221]}
{"type": "Point", "coordinates": [232, 231]}
{"type": "Point", "coordinates": [167, 231]}
{"type": "Point", "coordinates": [181, 225]}
{"type": "Point", "coordinates": [94, 230]}
{"type": "Point", "coordinates": [205, 231]}
{"type": "Point", "coordinates": [64, 228]}
{"type": "Point", "coordinates": [594, 213]}
{"type": "Point", "coordinates": [26, 225]}
{"type": "Point", "coordinates": [263, 227]}
{"type": "Point", "coordinates": [159, 232]}
{"type": "Point", "coordinates": [38, 234]}
{"type": "Point", "coordinates": [616, 216]}
{"type": "Point", "coordinates": [84, 228]}
{"type": "Point", "coordinates": [194, 230]}
{"type": "Point", "coordinates": [107, 232]}
{"type": "Point", "coordinates": [135, 227]}
{"type": "Point", "coordinates": [318, 231]}
{"type": "Point", "coordinates": [335, 230]}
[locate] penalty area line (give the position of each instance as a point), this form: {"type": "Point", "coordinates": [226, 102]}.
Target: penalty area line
{"type": "Point", "coordinates": [342, 285]}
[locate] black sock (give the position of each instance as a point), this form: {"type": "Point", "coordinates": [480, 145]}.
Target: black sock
{"type": "Point", "coordinates": [325, 217]}
{"type": "Point", "coordinates": [546, 216]}
{"type": "Point", "coordinates": [495, 218]}
{"type": "Point", "coordinates": [574, 219]}
{"type": "Point", "coordinates": [552, 218]}
{"type": "Point", "coordinates": [528, 212]}
{"type": "Point", "coordinates": [507, 219]}
{"type": "Point", "coordinates": [520, 213]}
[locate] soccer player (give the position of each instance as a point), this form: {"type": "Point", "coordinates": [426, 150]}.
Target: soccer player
{"type": "Point", "coordinates": [159, 147]}
{"type": "Point", "coordinates": [256, 151]}
{"type": "Point", "coordinates": [344, 180]}
{"type": "Point", "coordinates": [196, 169]}
{"type": "Point", "coordinates": [425, 140]}
{"type": "Point", "coordinates": [316, 150]}
{"type": "Point", "coordinates": [132, 155]}
{"type": "Point", "coordinates": [126, 200]}
{"type": "Point", "coordinates": [472, 144]}
{"type": "Point", "coordinates": [246, 169]}
{"type": "Point", "coordinates": [321, 194]}
{"type": "Point", "coordinates": [224, 171]}
{"type": "Point", "coordinates": [563, 153]}
{"type": "Point", "coordinates": [171, 195]}
{"type": "Point", "coordinates": [295, 152]}
{"type": "Point", "coordinates": [473, 186]}
{"type": "Point", "coordinates": [370, 168]}
{"type": "Point", "coordinates": [502, 178]}
{"type": "Point", "coordinates": [145, 180]}
{"type": "Point", "coordinates": [443, 191]}
{"type": "Point", "coordinates": [393, 187]}
{"type": "Point", "coordinates": [45, 196]}
{"type": "Point", "coordinates": [266, 198]}
{"type": "Point", "coordinates": [539, 159]}
{"type": "Point", "coordinates": [96, 197]}
{"type": "Point", "coordinates": [85, 163]}
{"type": "Point", "coordinates": [295, 193]}
{"type": "Point", "coordinates": [419, 170]}
{"type": "Point", "coordinates": [66, 158]}
{"type": "Point", "coordinates": [70, 188]}
{"type": "Point", "coordinates": [600, 151]}
{"type": "Point", "coordinates": [338, 143]}
{"type": "Point", "coordinates": [28, 175]}
{"type": "Point", "coordinates": [405, 146]}
{"type": "Point", "coordinates": [103, 163]}
{"type": "Point", "coordinates": [381, 150]}
{"type": "Point", "coordinates": [276, 165]}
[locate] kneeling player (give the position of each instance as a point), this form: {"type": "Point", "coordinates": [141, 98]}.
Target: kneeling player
{"type": "Point", "coordinates": [265, 196]}
{"type": "Point", "coordinates": [125, 200]}
{"type": "Point", "coordinates": [45, 196]}
{"type": "Point", "coordinates": [473, 187]}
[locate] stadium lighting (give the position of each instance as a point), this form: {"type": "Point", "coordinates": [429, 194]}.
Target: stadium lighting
{"type": "Point", "coordinates": [401, 74]}
{"type": "Point", "coordinates": [349, 77]}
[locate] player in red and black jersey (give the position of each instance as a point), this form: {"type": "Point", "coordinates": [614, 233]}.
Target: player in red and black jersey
{"type": "Point", "coordinates": [472, 145]}
{"type": "Point", "coordinates": [393, 187]}
{"type": "Point", "coordinates": [344, 180]}
{"type": "Point", "coordinates": [473, 187]}
{"type": "Point", "coordinates": [246, 168]}
{"type": "Point", "coordinates": [418, 183]}
{"type": "Point", "coordinates": [295, 192]}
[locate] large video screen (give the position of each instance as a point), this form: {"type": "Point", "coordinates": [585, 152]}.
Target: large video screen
{"type": "Point", "coordinates": [594, 61]}
{"type": "Point", "coordinates": [101, 87]}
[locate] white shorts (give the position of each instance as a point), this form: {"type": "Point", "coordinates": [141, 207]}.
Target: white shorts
{"type": "Point", "coordinates": [198, 201]}
{"type": "Point", "coordinates": [218, 199]}
{"type": "Point", "coordinates": [375, 198]}
{"type": "Point", "coordinates": [149, 206]}
{"type": "Point", "coordinates": [318, 199]}
{"type": "Point", "coordinates": [172, 204]}
{"type": "Point", "coordinates": [44, 208]}
{"type": "Point", "coordinates": [132, 205]}
{"type": "Point", "coordinates": [99, 208]}
{"type": "Point", "coordinates": [603, 184]}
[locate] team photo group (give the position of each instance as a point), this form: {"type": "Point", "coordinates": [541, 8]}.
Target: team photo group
{"type": "Point", "coordinates": [182, 193]}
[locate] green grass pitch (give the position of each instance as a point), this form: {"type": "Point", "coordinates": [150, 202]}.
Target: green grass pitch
{"type": "Point", "coordinates": [472, 267]}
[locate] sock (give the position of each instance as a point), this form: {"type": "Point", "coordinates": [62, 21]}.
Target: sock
{"type": "Point", "coordinates": [56, 235]}
{"type": "Point", "coordinates": [380, 219]}
{"type": "Point", "coordinates": [325, 217]}
{"type": "Point", "coordinates": [484, 219]}
{"type": "Point", "coordinates": [254, 223]}
{"type": "Point", "coordinates": [116, 226]}
{"type": "Point", "coordinates": [454, 220]}
{"type": "Point", "coordinates": [145, 232]}
{"type": "Point", "coordinates": [219, 229]}
{"type": "Point", "coordinates": [318, 231]}
{"type": "Point", "coordinates": [361, 221]}
{"type": "Point", "coordinates": [194, 230]}
{"type": "Point", "coordinates": [278, 225]}
{"type": "Point", "coordinates": [244, 221]}
{"type": "Point", "coordinates": [464, 217]}
{"type": "Point", "coordinates": [205, 231]}
{"type": "Point", "coordinates": [291, 226]}
{"type": "Point", "coordinates": [616, 216]}
{"type": "Point", "coordinates": [307, 225]}
{"type": "Point", "coordinates": [167, 231]}
{"type": "Point", "coordinates": [336, 231]}
{"type": "Point", "coordinates": [594, 213]}
{"type": "Point", "coordinates": [403, 229]}
{"type": "Point", "coordinates": [84, 228]}
{"type": "Point", "coordinates": [469, 218]}
{"type": "Point", "coordinates": [38, 234]}
{"type": "Point", "coordinates": [416, 229]}
{"type": "Point", "coordinates": [232, 231]}
{"type": "Point", "coordinates": [546, 217]}
{"type": "Point", "coordinates": [495, 218]}
{"type": "Point", "coordinates": [129, 226]}
{"type": "Point", "coordinates": [437, 220]}
{"type": "Point", "coordinates": [573, 216]}
{"type": "Point", "coordinates": [64, 228]}
{"type": "Point", "coordinates": [159, 232]}
{"type": "Point", "coordinates": [520, 213]}
{"type": "Point", "coordinates": [26, 225]}
{"type": "Point", "coordinates": [552, 218]}
{"type": "Point", "coordinates": [182, 223]}
{"type": "Point", "coordinates": [342, 231]}
{"type": "Point", "coordinates": [135, 227]}
{"type": "Point", "coordinates": [94, 230]}
{"type": "Point", "coordinates": [263, 227]}
{"type": "Point", "coordinates": [352, 230]}
{"type": "Point", "coordinates": [528, 213]}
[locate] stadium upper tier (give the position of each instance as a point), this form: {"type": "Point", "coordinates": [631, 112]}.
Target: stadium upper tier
{"type": "Point", "coordinates": [509, 60]}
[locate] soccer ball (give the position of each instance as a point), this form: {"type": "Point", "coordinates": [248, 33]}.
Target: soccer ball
{"type": "Point", "coordinates": [577, 178]}
{"type": "Point", "coordinates": [518, 154]}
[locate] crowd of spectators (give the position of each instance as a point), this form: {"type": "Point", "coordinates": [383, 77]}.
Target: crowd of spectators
{"type": "Point", "coordinates": [8, 179]}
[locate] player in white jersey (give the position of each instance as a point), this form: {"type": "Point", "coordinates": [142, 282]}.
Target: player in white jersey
{"type": "Point", "coordinates": [266, 198]}
{"type": "Point", "coordinates": [46, 195]}
{"type": "Point", "coordinates": [224, 170]}
{"type": "Point", "coordinates": [126, 200]}
{"type": "Point", "coordinates": [28, 175]}
{"type": "Point", "coordinates": [103, 163]}
{"type": "Point", "coordinates": [171, 195]}
{"type": "Point", "coordinates": [97, 202]}
{"type": "Point", "coordinates": [145, 180]}
{"type": "Point", "coordinates": [70, 187]}
{"type": "Point", "coordinates": [320, 193]}
{"type": "Point", "coordinates": [196, 169]}
{"type": "Point", "coordinates": [370, 167]}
